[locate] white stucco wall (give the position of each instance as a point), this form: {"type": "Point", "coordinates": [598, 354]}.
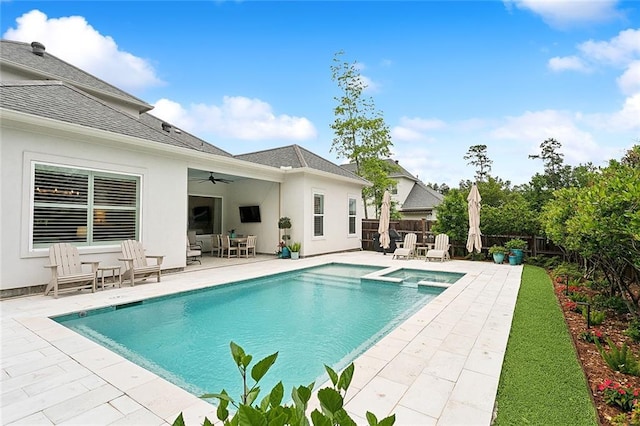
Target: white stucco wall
{"type": "Point", "coordinates": [163, 200]}
{"type": "Point", "coordinates": [297, 203]}
{"type": "Point", "coordinates": [165, 188]}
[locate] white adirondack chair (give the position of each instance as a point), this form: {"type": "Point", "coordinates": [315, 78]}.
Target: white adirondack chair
{"type": "Point", "coordinates": [408, 247]}
{"type": "Point", "coordinates": [136, 265]}
{"type": "Point", "coordinates": [440, 248]}
{"type": "Point", "coordinates": [66, 270]}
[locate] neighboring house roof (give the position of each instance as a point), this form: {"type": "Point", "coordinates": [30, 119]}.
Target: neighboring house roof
{"type": "Point", "coordinates": [421, 198]}
{"type": "Point", "coordinates": [295, 156]}
{"type": "Point", "coordinates": [399, 171]}
{"type": "Point", "coordinates": [48, 67]}
{"type": "Point", "coordinates": [60, 101]}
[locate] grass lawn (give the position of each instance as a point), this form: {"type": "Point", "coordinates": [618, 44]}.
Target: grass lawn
{"type": "Point", "coordinates": [541, 381]}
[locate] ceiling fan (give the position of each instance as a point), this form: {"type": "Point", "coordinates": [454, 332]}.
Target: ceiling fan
{"type": "Point", "coordinates": [215, 180]}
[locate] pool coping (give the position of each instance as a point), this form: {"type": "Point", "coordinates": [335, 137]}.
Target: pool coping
{"type": "Point", "coordinates": [441, 366]}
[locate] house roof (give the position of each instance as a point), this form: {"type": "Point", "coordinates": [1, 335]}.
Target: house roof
{"type": "Point", "coordinates": [295, 156]}
{"type": "Point", "coordinates": [61, 91]}
{"type": "Point", "coordinates": [48, 67]}
{"type": "Point", "coordinates": [421, 198]}
{"type": "Point", "coordinates": [60, 101]}
{"type": "Point", "coordinates": [399, 171]}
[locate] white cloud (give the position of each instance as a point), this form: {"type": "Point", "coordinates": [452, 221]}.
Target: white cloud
{"type": "Point", "coordinates": [369, 85]}
{"type": "Point", "coordinates": [620, 51]}
{"type": "Point", "coordinates": [566, 13]}
{"type": "Point", "coordinates": [624, 120]}
{"type": "Point", "coordinates": [72, 39]}
{"type": "Point", "coordinates": [535, 127]}
{"type": "Point", "coordinates": [629, 81]}
{"type": "Point", "coordinates": [238, 117]}
{"type": "Point", "coordinates": [572, 63]}
{"type": "Point", "coordinates": [415, 129]}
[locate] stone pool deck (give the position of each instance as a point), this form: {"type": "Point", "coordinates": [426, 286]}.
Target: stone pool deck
{"type": "Point", "coordinates": [440, 367]}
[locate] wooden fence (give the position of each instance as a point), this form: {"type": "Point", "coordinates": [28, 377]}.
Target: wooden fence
{"type": "Point", "coordinates": [536, 245]}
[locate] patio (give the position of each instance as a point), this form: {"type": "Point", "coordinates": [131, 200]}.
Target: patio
{"type": "Point", "coordinates": [441, 367]}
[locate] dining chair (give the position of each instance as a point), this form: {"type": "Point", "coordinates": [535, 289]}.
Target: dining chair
{"type": "Point", "coordinates": [248, 246]}
{"type": "Point", "coordinates": [226, 246]}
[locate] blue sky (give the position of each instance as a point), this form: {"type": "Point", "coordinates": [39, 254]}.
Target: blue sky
{"type": "Point", "coordinates": [253, 75]}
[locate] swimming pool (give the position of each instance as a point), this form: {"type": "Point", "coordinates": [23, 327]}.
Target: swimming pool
{"type": "Point", "coordinates": [315, 316]}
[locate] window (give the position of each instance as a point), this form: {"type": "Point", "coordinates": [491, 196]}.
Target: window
{"type": "Point", "coordinates": [352, 216]}
{"type": "Point", "coordinates": [83, 207]}
{"type": "Point", "coordinates": [318, 215]}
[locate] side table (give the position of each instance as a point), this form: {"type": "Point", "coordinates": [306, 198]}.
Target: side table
{"type": "Point", "coordinates": [116, 273]}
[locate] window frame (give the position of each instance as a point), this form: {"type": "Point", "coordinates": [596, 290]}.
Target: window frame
{"type": "Point", "coordinates": [94, 212]}
{"type": "Point", "coordinates": [318, 215]}
{"type": "Point", "coordinates": [351, 216]}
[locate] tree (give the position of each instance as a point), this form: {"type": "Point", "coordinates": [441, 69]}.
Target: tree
{"type": "Point", "coordinates": [556, 174]}
{"type": "Point", "coordinates": [632, 157]}
{"type": "Point", "coordinates": [453, 215]}
{"type": "Point", "coordinates": [442, 188]}
{"type": "Point", "coordinates": [601, 222]}
{"type": "Point", "coordinates": [477, 154]}
{"type": "Point", "coordinates": [360, 133]}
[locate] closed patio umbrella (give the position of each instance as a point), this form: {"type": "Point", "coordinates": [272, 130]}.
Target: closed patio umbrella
{"type": "Point", "coordinates": [383, 225]}
{"type": "Point", "coordinates": [473, 204]}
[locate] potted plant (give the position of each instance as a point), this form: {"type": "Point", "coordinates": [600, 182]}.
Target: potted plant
{"type": "Point", "coordinates": [516, 246]}
{"type": "Point", "coordinates": [284, 223]}
{"type": "Point", "coordinates": [295, 250]}
{"type": "Point", "coordinates": [498, 253]}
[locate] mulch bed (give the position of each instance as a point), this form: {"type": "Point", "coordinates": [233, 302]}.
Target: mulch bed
{"type": "Point", "coordinates": [595, 368]}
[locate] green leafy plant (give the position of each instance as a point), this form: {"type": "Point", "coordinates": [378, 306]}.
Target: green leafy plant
{"type": "Point", "coordinates": [285, 224]}
{"type": "Point", "coordinates": [576, 296]}
{"type": "Point", "coordinates": [496, 249]}
{"type": "Point", "coordinates": [614, 303]}
{"type": "Point", "coordinates": [633, 331]}
{"type": "Point", "coordinates": [620, 359]}
{"type": "Point", "coordinates": [295, 247]}
{"type": "Point", "coordinates": [567, 269]}
{"type": "Point", "coordinates": [271, 410]}
{"type": "Point", "coordinates": [616, 394]}
{"type": "Point", "coordinates": [516, 243]}
{"type": "Point", "coordinates": [596, 317]}
{"type": "Point", "coordinates": [592, 336]}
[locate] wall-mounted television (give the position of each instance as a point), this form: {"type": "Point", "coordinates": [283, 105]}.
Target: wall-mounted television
{"type": "Point", "coordinates": [249, 214]}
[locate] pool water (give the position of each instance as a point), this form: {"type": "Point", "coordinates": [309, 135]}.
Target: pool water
{"type": "Point", "coordinates": [315, 316]}
{"type": "Point", "coordinates": [411, 276]}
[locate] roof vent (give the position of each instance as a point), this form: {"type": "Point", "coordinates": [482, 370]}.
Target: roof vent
{"type": "Point", "coordinates": [37, 48]}
{"type": "Point", "coordinates": [166, 127]}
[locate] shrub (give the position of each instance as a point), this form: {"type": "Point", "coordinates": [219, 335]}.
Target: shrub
{"type": "Point", "coordinates": [620, 359]}
{"type": "Point", "coordinates": [592, 336]}
{"type": "Point", "coordinates": [498, 249]}
{"type": "Point", "coordinates": [271, 411]}
{"type": "Point", "coordinates": [616, 394]}
{"type": "Point", "coordinates": [596, 317]}
{"type": "Point", "coordinates": [633, 331]}
{"type": "Point", "coordinates": [615, 303]}
{"type": "Point", "coordinates": [516, 243]}
{"type": "Point", "coordinates": [570, 270]}
{"type": "Point", "coordinates": [577, 296]}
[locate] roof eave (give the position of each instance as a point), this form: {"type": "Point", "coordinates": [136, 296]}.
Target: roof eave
{"type": "Point", "coordinates": [142, 106]}
{"type": "Point", "coordinates": [321, 173]}
{"type": "Point", "coordinates": [224, 164]}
